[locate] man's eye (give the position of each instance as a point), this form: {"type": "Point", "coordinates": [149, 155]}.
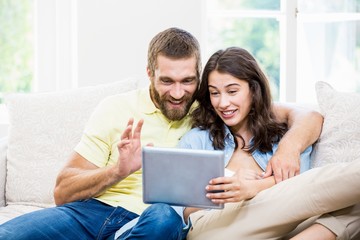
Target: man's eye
{"type": "Point", "coordinates": [167, 82]}
{"type": "Point", "coordinates": [188, 81]}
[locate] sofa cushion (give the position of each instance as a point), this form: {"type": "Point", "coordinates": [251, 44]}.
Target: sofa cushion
{"type": "Point", "coordinates": [340, 137]}
{"type": "Point", "coordinates": [44, 128]}
{"type": "Point", "coordinates": [12, 211]}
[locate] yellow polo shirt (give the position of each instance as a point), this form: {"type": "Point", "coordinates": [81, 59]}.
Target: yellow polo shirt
{"type": "Point", "coordinates": [102, 133]}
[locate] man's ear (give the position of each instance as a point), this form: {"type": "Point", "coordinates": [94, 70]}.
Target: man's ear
{"type": "Point", "coordinates": [148, 72]}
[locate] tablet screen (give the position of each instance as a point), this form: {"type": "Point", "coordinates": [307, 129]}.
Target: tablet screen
{"type": "Point", "coordinates": [179, 176]}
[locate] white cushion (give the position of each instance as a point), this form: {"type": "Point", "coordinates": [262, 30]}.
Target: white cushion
{"type": "Point", "coordinates": [12, 211]}
{"type": "Point", "coordinates": [44, 129]}
{"type": "Point", "coordinates": [340, 137]}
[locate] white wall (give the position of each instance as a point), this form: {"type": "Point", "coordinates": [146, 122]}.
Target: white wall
{"type": "Point", "coordinates": [88, 42]}
{"type": "Point", "coordinates": [113, 35]}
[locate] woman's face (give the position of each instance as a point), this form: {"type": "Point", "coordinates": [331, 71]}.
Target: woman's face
{"type": "Point", "coordinates": [231, 99]}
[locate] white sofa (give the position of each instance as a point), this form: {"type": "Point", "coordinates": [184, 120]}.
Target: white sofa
{"type": "Point", "coordinates": [44, 128]}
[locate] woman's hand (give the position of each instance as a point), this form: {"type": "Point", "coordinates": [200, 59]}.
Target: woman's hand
{"type": "Point", "coordinates": [241, 186]}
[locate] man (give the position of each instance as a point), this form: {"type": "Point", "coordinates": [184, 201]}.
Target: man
{"type": "Point", "coordinates": [98, 191]}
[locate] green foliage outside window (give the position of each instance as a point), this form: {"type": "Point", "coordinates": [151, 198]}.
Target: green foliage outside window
{"type": "Point", "coordinates": [261, 38]}
{"type": "Point", "coordinates": [16, 46]}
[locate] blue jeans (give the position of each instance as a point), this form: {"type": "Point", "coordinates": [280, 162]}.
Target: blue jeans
{"type": "Point", "coordinates": [159, 221]}
{"type": "Point", "coordinates": [89, 219]}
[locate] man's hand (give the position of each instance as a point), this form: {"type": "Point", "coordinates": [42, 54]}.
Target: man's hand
{"type": "Point", "coordinates": [304, 129]}
{"type": "Point", "coordinates": [130, 149]}
{"type": "Point", "coordinates": [284, 165]}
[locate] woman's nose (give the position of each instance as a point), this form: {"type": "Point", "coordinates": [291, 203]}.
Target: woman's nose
{"type": "Point", "coordinates": [224, 101]}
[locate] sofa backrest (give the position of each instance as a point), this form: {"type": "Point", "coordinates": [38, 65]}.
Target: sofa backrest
{"type": "Point", "coordinates": [44, 128]}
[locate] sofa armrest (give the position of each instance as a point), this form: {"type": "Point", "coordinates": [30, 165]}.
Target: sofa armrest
{"type": "Point", "coordinates": [3, 148]}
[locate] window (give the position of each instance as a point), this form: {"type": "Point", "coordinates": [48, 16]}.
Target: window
{"type": "Point", "coordinates": [16, 51]}
{"type": "Point", "coordinates": [328, 46]}
{"type": "Point", "coordinates": [38, 50]}
{"type": "Point", "coordinates": [249, 24]}
{"type": "Point", "coordinates": [16, 41]}
{"type": "Point", "coordinates": [297, 42]}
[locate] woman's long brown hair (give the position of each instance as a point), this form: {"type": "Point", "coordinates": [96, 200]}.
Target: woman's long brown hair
{"type": "Point", "coordinates": [261, 122]}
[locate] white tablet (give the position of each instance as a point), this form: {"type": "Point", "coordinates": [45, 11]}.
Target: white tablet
{"type": "Point", "coordinates": [179, 176]}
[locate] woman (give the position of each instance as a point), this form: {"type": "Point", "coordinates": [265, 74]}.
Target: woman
{"type": "Point", "coordinates": [235, 115]}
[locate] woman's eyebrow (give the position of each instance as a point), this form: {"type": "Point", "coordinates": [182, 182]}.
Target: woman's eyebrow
{"type": "Point", "coordinates": [229, 85]}
{"type": "Point", "coordinates": [233, 84]}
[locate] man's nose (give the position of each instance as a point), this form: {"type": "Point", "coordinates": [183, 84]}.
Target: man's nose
{"type": "Point", "coordinates": [177, 91]}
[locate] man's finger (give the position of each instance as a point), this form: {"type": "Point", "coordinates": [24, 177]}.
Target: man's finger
{"type": "Point", "coordinates": [127, 133]}
{"type": "Point", "coordinates": [268, 171]}
{"type": "Point", "coordinates": [285, 175]}
{"type": "Point", "coordinates": [291, 174]}
{"type": "Point", "coordinates": [278, 174]}
{"type": "Point", "coordinates": [123, 143]}
{"type": "Point", "coordinates": [130, 121]}
{"type": "Point", "coordinates": [138, 128]}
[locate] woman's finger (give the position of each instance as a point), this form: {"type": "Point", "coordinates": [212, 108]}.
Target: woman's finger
{"type": "Point", "coordinates": [221, 180]}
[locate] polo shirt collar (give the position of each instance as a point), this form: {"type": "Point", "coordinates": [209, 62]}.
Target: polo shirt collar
{"type": "Point", "coordinates": [146, 104]}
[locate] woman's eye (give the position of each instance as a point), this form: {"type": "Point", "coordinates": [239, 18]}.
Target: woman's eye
{"type": "Point", "coordinates": [214, 93]}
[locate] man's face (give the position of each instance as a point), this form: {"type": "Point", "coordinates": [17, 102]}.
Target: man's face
{"type": "Point", "coordinates": [173, 86]}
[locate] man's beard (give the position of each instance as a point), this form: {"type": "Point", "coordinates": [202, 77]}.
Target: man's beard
{"type": "Point", "coordinates": [172, 114]}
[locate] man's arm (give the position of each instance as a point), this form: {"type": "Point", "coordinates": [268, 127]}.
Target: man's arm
{"type": "Point", "coordinates": [304, 129]}
{"type": "Point", "coordinates": [80, 179]}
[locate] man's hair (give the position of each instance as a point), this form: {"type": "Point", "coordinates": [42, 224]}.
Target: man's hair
{"type": "Point", "coordinates": [240, 64]}
{"type": "Point", "coordinates": [173, 43]}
